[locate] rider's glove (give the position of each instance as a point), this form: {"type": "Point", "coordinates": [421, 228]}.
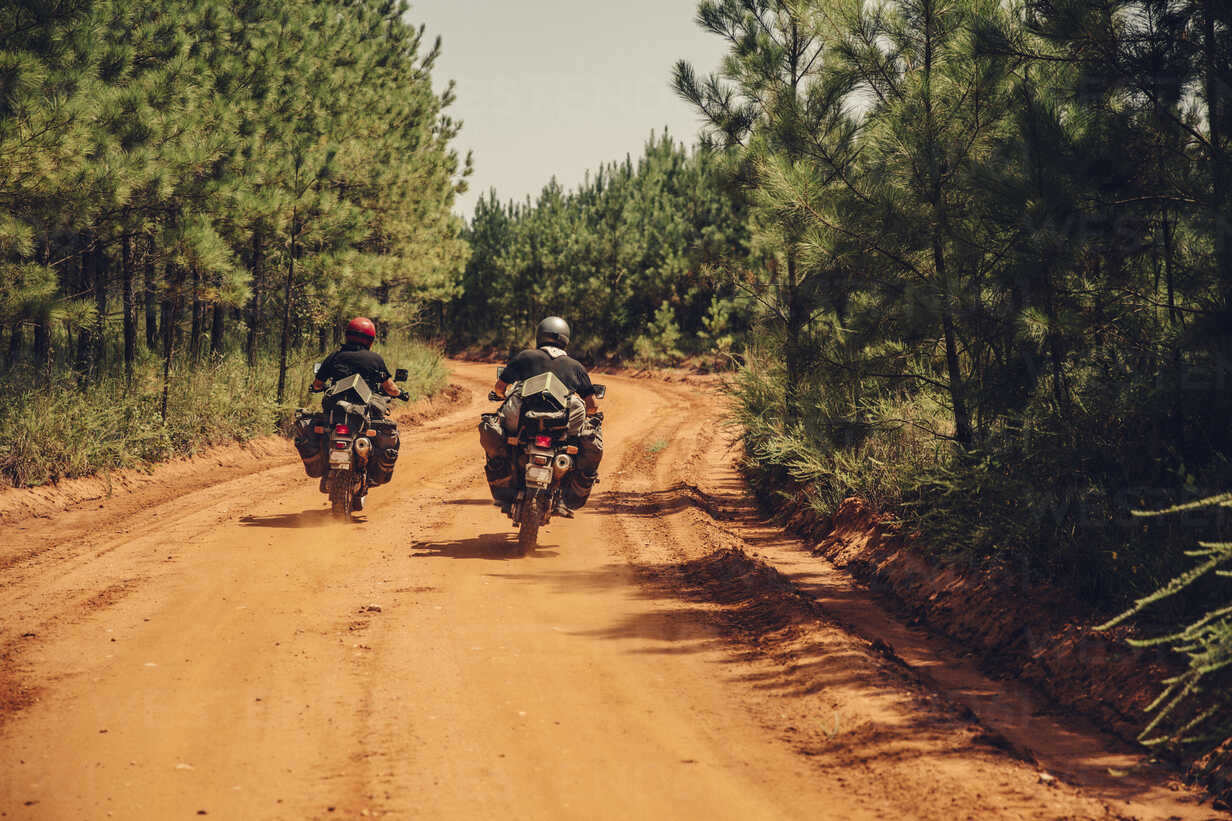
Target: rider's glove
{"type": "Point", "coordinates": [404, 396]}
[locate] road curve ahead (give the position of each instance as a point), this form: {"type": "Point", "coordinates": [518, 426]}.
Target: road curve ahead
{"type": "Point", "coordinates": [232, 652]}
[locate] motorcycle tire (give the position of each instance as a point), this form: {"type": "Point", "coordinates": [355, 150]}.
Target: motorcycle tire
{"type": "Point", "coordinates": [528, 528]}
{"type": "Point", "coordinates": [341, 495]}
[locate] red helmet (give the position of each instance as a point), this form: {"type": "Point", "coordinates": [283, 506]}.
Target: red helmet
{"type": "Point", "coordinates": [361, 331]}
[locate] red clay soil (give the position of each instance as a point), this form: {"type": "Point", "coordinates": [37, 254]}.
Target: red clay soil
{"type": "Point", "coordinates": [1025, 631]}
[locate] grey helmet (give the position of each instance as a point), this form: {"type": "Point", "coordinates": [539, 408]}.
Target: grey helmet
{"type": "Point", "coordinates": [552, 331]}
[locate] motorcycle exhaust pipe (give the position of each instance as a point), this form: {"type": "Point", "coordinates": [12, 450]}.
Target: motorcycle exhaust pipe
{"type": "Point", "coordinates": [363, 449]}
{"type": "Point", "coordinates": [561, 464]}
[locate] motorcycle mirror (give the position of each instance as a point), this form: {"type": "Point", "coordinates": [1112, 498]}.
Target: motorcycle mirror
{"type": "Point", "coordinates": [600, 391]}
{"type": "Point", "coordinates": [316, 368]}
{"type": "Point", "coordinates": [500, 373]}
{"type": "Point", "coordinates": [400, 375]}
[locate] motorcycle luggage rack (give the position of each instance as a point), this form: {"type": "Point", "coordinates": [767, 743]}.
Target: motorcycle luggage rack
{"type": "Point", "coordinates": [547, 386]}
{"type": "Point", "coordinates": [354, 385]}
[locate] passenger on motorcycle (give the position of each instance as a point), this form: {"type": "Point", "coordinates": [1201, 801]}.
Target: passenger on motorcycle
{"type": "Point", "coordinates": [548, 355]}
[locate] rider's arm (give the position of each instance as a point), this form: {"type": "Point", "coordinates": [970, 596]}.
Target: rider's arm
{"type": "Point", "coordinates": [390, 388]}
{"type": "Point", "coordinates": [586, 391]}
{"type": "Point", "coordinates": [323, 372]}
{"type": "Point", "coordinates": [499, 388]}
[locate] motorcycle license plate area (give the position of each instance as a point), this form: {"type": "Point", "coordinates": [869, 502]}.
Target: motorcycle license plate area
{"type": "Point", "coordinates": [538, 475]}
{"type": "Point", "coordinates": [340, 458]}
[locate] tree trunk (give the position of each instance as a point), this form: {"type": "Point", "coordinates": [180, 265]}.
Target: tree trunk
{"type": "Point", "coordinates": [962, 419]}
{"type": "Point", "coordinates": [1177, 376]}
{"type": "Point", "coordinates": [85, 284]}
{"type": "Point", "coordinates": [194, 339]}
{"type": "Point", "coordinates": [129, 305]}
{"type": "Point", "coordinates": [256, 305]}
{"type": "Point", "coordinates": [17, 341]}
{"type": "Point", "coordinates": [42, 339]}
{"type": "Point", "coordinates": [151, 299]}
{"type": "Point", "coordinates": [793, 348]}
{"type": "Point", "coordinates": [286, 316]}
{"type": "Point", "coordinates": [1219, 207]}
{"type": "Point", "coordinates": [164, 320]}
{"type": "Point", "coordinates": [169, 320]}
{"type": "Point", "coordinates": [217, 328]}
{"type": "Point", "coordinates": [100, 305]}
{"type": "Point", "coordinates": [173, 298]}
{"type": "Point", "coordinates": [1060, 389]}
{"type": "Point", "coordinates": [42, 346]}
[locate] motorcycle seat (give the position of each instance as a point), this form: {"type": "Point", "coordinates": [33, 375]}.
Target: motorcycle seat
{"type": "Point", "coordinates": [546, 416]}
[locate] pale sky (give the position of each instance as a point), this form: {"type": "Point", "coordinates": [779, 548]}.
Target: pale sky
{"type": "Point", "coordinates": [556, 87]}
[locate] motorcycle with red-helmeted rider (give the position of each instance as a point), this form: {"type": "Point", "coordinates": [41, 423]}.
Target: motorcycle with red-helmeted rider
{"type": "Point", "coordinates": [351, 444]}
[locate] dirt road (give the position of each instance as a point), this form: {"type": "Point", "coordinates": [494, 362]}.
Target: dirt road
{"type": "Point", "coordinates": [232, 652]}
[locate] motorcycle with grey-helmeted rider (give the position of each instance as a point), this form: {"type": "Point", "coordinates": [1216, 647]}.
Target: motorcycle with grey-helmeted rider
{"type": "Point", "coordinates": [544, 445]}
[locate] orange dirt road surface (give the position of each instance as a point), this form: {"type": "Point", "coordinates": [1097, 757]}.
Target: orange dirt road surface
{"type": "Point", "coordinates": [230, 651]}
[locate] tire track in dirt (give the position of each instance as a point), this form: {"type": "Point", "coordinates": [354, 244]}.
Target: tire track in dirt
{"type": "Point", "coordinates": [884, 721]}
{"type": "Point", "coordinates": [50, 565]}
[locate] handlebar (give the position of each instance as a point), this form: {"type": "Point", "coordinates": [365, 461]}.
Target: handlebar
{"type": "Point", "coordinates": [404, 396]}
{"type": "Point", "coordinates": [493, 396]}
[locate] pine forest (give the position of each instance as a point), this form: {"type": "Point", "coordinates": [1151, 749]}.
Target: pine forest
{"type": "Point", "coordinates": [195, 193]}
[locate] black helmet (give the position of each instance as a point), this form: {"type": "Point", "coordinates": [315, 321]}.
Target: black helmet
{"type": "Point", "coordinates": [553, 331]}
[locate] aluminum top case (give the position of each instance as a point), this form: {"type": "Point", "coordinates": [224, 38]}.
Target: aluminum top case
{"type": "Point", "coordinates": [546, 386]}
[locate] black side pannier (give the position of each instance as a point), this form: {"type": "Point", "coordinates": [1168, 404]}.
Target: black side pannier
{"type": "Point", "coordinates": [308, 443]}
{"type": "Point", "coordinates": [384, 451]}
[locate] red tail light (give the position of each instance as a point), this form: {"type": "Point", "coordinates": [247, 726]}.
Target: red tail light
{"type": "Point", "coordinates": [341, 430]}
{"type": "Point", "coordinates": [543, 441]}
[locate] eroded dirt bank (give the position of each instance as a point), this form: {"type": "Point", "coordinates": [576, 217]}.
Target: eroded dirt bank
{"type": "Point", "coordinates": [1024, 630]}
{"type": "Point", "coordinates": [231, 650]}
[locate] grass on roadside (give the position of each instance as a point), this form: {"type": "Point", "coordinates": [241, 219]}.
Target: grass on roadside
{"type": "Point", "coordinates": [57, 430]}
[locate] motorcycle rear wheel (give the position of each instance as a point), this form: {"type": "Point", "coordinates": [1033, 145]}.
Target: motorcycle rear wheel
{"type": "Point", "coordinates": [341, 495]}
{"type": "Point", "coordinates": [528, 529]}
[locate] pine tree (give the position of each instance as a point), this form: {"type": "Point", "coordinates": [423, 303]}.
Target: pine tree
{"type": "Point", "coordinates": [779, 112]}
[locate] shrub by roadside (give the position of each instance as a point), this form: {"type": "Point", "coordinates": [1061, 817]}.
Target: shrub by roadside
{"type": "Point", "coordinates": [1020, 549]}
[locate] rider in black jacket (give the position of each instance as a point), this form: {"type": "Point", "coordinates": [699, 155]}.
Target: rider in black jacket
{"type": "Point", "coordinates": [355, 357]}
{"type": "Point", "coordinates": [551, 339]}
